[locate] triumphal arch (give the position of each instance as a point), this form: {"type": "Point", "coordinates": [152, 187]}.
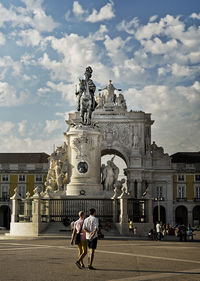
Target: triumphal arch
{"type": "Point", "coordinates": [76, 178]}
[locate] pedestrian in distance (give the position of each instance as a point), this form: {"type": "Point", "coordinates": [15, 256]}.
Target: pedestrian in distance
{"type": "Point", "coordinates": [80, 239]}
{"type": "Point", "coordinates": [91, 225]}
{"type": "Point", "coordinates": [131, 227]}
{"type": "Point", "coordinates": [158, 230]}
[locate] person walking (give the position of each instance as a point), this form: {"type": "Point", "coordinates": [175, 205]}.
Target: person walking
{"type": "Point", "coordinates": [90, 226]}
{"type": "Point", "coordinates": [158, 230]}
{"type": "Point", "coordinates": [80, 240]}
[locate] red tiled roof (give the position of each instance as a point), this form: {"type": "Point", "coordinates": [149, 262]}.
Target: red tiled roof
{"type": "Point", "coordinates": [186, 157]}
{"type": "Point", "coordinates": [16, 158]}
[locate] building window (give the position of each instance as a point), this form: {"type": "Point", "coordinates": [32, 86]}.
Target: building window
{"type": "Point", "coordinates": [181, 192]}
{"type": "Point", "coordinates": [21, 177]}
{"type": "Point", "coordinates": [40, 188]}
{"type": "Point", "coordinates": [159, 191]}
{"type": "Point", "coordinates": [38, 178]}
{"type": "Point", "coordinates": [4, 177]}
{"type": "Point", "coordinates": [181, 178]}
{"type": "Point", "coordinates": [22, 191]}
{"type": "Point", "coordinates": [197, 177]}
{"type": "Point", "coordinates": [197, 192]}
{"type": "Point", "coordinates": [5, 192]}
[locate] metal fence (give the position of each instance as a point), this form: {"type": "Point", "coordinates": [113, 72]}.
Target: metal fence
{"type": "Point", "coordinates": [63, 210]}
{"type": "Point", "coordinates": [137, 210]}
{"type": "Point", "coordinates": [66, 210]}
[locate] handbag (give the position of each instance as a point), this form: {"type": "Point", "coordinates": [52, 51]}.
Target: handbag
{"type": "Point", "coordinates": [78, 236]}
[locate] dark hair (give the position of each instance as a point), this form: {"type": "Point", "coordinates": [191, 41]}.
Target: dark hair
{"type": "Point", "coordinates": [92, 211]}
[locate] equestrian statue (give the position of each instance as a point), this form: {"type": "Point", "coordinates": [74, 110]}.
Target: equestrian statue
{"type": "Point", "coordinates": [86, 103]}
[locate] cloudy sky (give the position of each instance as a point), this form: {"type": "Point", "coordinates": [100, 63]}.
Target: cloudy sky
{"type": "Point", "coordinates": [150, 49]}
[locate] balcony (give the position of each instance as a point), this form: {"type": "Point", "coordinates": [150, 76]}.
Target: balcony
{"type": "Point", "coordinates": [5, 199]}
{"type": "Point", "coordinates": [181, 199]}
{"type": "Point", "coordinates": [197, 199]}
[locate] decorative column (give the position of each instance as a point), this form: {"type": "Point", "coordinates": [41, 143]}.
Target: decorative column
{"type": "Point", "coordinates": [27, 207]}
{"type": "Point", "coordinates": [123, 212]}
{"type": "Point", "coordinates": [139, 189]}
{"type": "Point", "coordinates": [115, 209]}
{"type": "Point", "coordinates": [15, 206]}
{"type": "Point", "coordinates": [36, 215]}
{"type": "Point", "coordinates": [47, 205]}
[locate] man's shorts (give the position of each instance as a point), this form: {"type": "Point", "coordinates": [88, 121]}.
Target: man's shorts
{"type": "Point", "coordinates": [92, 244]}
{"type": "Point", "coordinates": [83, 246]}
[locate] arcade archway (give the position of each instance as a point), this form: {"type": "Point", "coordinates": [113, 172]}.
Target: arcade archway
{"type": "Point", "coordinates": [5, 215]}
{"type": "Point", "coordinates": [181, 215]}
{"type": "Point", "coordinates": [162, 214]}
{"type": "Point", "coordinates": [196, 215]}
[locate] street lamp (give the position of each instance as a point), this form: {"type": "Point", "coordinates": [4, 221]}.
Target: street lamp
{"type": "Point", "coordinates": [158, 199]}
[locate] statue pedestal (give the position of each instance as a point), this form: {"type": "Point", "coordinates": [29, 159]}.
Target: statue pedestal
{"type": "Point", "coordinates": [84, 152]}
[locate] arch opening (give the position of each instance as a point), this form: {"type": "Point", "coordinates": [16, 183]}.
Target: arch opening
{"type": "Point", "coordinates": [5, 216]}
{"type": "Point", "coordinates": [181, 215]}
{"type": "Point", "coordinates": [118, 160]}
{"type": "Point", "coordinates": [196, 215]}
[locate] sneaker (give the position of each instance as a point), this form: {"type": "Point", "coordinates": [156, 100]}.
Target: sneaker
{"type": "Point", "coordinates": [78, 265]}
{"type": "Point", "coordinates": [90, 267]}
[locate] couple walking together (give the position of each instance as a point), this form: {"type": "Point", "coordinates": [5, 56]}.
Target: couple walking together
{"type": "Point", "coordinates": [87, 229]}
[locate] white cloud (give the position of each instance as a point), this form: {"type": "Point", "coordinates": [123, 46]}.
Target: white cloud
{"type": "Point", "coordinates": [130, 26]}
{"type": "Point", "coordinates": [32, 15]}
{"type": "Point", "coordinates": [76, 53]}
{"type": "Point", "coordinates": [9, 97]}
{"type": "Point", "coordinates": [175, 112]}
{"type": "Point", "coordinates": [195, 16]}
{"type": "Point", "coordinates": [22, 127]}
{"type": "Point", "coordinates": [2, 39]}
{"type": "Point", "coordinates": [29, 37]}
{"type": "Point", "coordinates": [153, 18]}
{"type": "Point", "coordinates": [52, 125]}
{"type": "Point", "coordinates": [100, 34]}
{"type": "Point", "coordinates": [7, 62]}
{"type": "Point", "coordinates": [6, 127]}
{"type": "Point", "coordinates": [67, 91]}
{"type": "Point", "coordinates": [77, 9]}
{"type": "Point", "coordinates": [105, 13]}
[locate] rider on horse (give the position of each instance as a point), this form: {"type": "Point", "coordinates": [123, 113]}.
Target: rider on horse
{"type": "Point", "coordinates": [90, 87]}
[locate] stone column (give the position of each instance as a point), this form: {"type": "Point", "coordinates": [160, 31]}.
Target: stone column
{"type": "Point", "coordinates": [36, 215]}
{"type": "Point", "coordinates": [150, 211]}
{"type": "Point", "coordinates": [15, 206]}
{"type": "Point", "coordinates": [190, 216]}
{"type": "Point", "coordinates": [27, 207]}
{"type": "Point", "coordinates": [47, 205]}
{"type": "Point", "coordinates": [139, 189]}
{"type": "Point", "coordinates": [115, 211]}
{"type": "Point", "coordinates": [123, 212]}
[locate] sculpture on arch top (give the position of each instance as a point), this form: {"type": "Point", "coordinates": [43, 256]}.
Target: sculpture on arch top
{"type": "Point", "coordinates": [85, 92]}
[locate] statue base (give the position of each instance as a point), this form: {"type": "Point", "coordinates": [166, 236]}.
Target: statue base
{"type": "Point", "coordinates": [84, 152]}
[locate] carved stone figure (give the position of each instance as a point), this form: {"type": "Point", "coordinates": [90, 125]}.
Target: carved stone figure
{"type": "Point", "coordinates": [110, 174]}
{"type": "Point", "coordinates": [110, 96]}
{"type": "Point", "coordinates": [121, 101]}
{"type": "Point", "coordinates": [135, 141]}
{"type": "Point", "coordinates": [118, 186]}
{"type": "Point", "coordinates": [58, 169]}
{"type": "Point", "coordinates": [86, 101]}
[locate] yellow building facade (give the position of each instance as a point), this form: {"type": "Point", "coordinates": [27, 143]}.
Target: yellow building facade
{"type": "Point", "coordinates": [24, 171]}
{"type": "Point", "coordinates": [186, 188]}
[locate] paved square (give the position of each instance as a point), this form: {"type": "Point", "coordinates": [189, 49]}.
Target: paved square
{"type": "Point", "coordinates": [127, 260]}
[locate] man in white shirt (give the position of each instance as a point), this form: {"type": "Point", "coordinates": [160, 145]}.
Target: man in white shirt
{"type": "Point", "coordinates": [90, 226]}
{"type": "Point", "coordinates": [158, 230]}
